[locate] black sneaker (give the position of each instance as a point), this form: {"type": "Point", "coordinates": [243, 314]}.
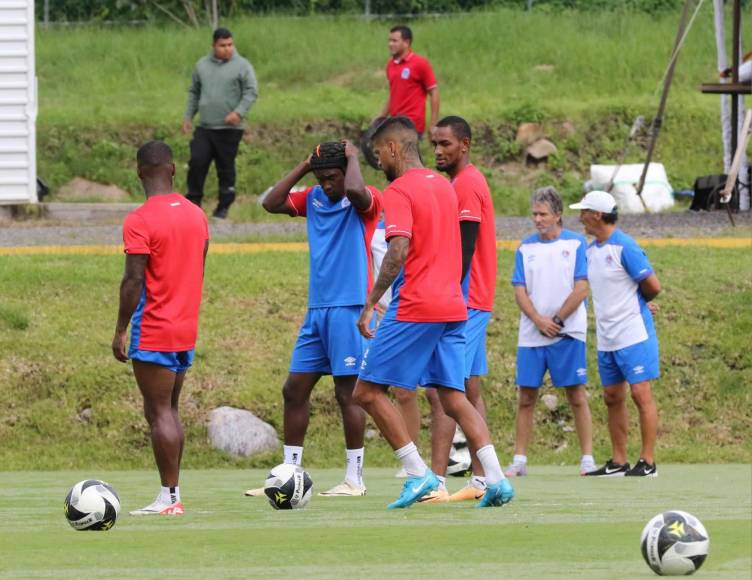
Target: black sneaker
{"type": "Point", "coordinates": [611, 469]}
{"type": "Point", "coordinates": [220, 213]}
{"type": "Point", "coordinates": [643, 469]}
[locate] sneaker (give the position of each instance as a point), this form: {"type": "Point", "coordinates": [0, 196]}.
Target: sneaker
{"type": "Point", "coordinates": [415, 488]}
{"type": "Point", "coordinates": [401, 474]}
{"type": "Point", "coordinates": [255, 492]}
{"type": "Point", "coordinates": [611, 469]}
{"type": "Point", "coordinates": [437, 496]}
{"type": "Point", "coordinates": [159, 508]}
{"type": "Point", "coordinates": [344, 489]}
{"type": "Point", "coordinates": [643, 469]}
{"type": "Point", "coordinates": [586, 466]}
{"type": "Point", "coordinates": [220, 213]}
{"type": "Point", "coordinates": [516, 470]}
{"type": "Point", "coordinates": [497, 494]}
{"type": "Point", "coordinates": [468, 493]}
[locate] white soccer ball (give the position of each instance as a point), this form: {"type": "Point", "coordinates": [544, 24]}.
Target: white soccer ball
{"type": "Point", "coordinates": [288, 487]}
{"type": "Point", "coordinates": [674, 543]}
{"type": "Point", "coordinates": [92, 505]}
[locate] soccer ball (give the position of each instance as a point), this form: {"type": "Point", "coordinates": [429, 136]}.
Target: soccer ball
{"type": "Point", "coordinates": [459, 455]}
{"type": "Point", "coordinates": [288, 487]}
{"type": "Point", "coordinates": [92, 505]}
{"type": "Point", "coordinates": [674, 543]}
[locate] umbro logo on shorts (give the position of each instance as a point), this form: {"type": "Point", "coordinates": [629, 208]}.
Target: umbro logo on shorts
{"type": "Point", "coordinates": [350, 361]}
{"type": "Point", "coordinates": [638, 370]}
{"type": "Point", "coordinates": [581, 372]}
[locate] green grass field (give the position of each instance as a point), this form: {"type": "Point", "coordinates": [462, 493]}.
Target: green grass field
{"type": "Point", "coordinates": [560, 525]}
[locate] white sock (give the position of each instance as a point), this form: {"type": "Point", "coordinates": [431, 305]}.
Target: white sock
{"type": "Point", "coordinates": [293, 455]}
{"type": "Point", "coordinates": [169, 495]}
{"type": "Point", "coordinates": [490, 462]}
{"type": "Point", "coordinates": [411, 460]}
{"type": "Point", "coordinates": [587, 458]}
{"type": "Point", "coordinates": [478, 481]}
{"type": "Point", "coordinates": [519, 459]}
{"type": "Point", "coordinates": [354, 473]}
{"type": "Point", "coordinates": [442, 483]}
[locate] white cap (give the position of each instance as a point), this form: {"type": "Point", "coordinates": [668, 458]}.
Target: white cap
{"type": "Point", "coordinates": [601, 201]}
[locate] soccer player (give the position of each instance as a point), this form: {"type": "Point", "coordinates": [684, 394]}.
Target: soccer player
{"type": "Point", "coordinates": [341, 213]}
{"type": "Point", "coordinates": [550, 287]}
{"type": "Point", "coordinates": [421, 337]}
{"type": "Point", "coordinates": [223, 89]}
{"type": "Point", "coordinates": [451, 140]}
{"type": "Point", "coordinates": [166, 240]}
{"type": "Point", "coordinates": [411, 79]}
{"type": "Point", "coordinates": [623, 283]}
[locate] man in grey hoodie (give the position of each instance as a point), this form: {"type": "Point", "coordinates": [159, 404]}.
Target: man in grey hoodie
{"type": "Point", "coordinates": [222, 91]}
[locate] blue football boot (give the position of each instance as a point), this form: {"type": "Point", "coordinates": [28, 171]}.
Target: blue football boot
{"type": "Point", "coordinates": [414, 489]}
{"type": "Point", "coordinates": [497, 494]}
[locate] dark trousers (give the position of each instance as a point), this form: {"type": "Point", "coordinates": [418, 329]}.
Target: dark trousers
{"type": "Point", "coordinates": [220, 146]}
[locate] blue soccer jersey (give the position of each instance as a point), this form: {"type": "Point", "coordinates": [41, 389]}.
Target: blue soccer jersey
{"type": "Point", "coordinates": [339, 241]}
{"type": "Point", "coordinates": [615, 269]}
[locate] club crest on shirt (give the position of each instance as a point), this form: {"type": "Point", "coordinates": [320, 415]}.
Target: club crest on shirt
{"type": "Point", "coordinates": [565, 253]}
{"type": "Point", "coordinates": [609, 259]}
{"type": "Point", "coordinates": [345, 202]}
{"type": "Point", "coordinates": [317, 203]}
{"type": "Point", "coordinates": [405, 74]}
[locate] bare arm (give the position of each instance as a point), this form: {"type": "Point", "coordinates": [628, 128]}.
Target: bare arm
{"type": "Point", "coordinates": [130, 294]}
{"type": "Point", "coordinates": [355, 187]}
{"type": "Point", "coordinates": [434, 95]}
{"type": "Point", "coordinates": [545, 324]}
{"type": "Point", "coordinates": [276, 200]}
{"type": "Point", "coordinates": [390, 269]}
{"type": "Point", "coordinates": [650, 287]}
{"type": "Point", "coordinates": [575, 298]}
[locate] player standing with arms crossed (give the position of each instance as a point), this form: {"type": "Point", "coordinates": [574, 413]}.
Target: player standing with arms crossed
{"type": "Point", "coordinates": [341, 215]}
{"type": "Point", "coordinates": [623, 283]}
{"type": "Point", "coordinates": [421, 337]}
{"type": "Point", "coordinates": [166, 240]}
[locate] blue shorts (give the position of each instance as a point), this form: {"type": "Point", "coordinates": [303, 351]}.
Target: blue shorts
{"type": "Point", "coordinates": [177, 362]}
{"type": "Point", "coordinates": [405, 354]}
{"type": "Point", "coordinates": [475, 347]}
{"type": "Point", "coordinates": [329, 342]}
{"type": "Point", "coordinates": [565, 361]}
{"type": "Point", "coordinates": [634, 364]}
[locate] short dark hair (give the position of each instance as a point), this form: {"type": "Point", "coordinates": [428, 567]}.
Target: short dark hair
{"type": "Point", "coordinates": [221, 33]}
{"type": "Point", "coordinates": [390, 123]}
{"type": "Point", "coordinates": [612, 217]}
{"type": "Point", "coordinates": [154, 153]}
{"type": "Point", "coordinates": [329, 155]}
{"type": "Point", "coordinates": [404, 31]}
{"type": "Point", "coordinates": [458, 125]}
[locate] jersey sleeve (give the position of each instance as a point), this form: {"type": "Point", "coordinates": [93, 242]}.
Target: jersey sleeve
{"type": "Point", "coordinates": [518, 275]}
{"type": "Point", "coordinates": [377, 205]}
{"type": "Point", "coordinates": [580, 261]}
{"type": "Point", "coordinates": [469, 201]}
{"type": "Point", "coordinates": [635, 262]}
{"type": "Point", "coordinates": [426, 75]}
{"type": "Point", "coordinates": [296, 200]}
{"type": "Point", "coordinates": [135, 235]}
{"type": "Point", "coordinates": [398, 214]}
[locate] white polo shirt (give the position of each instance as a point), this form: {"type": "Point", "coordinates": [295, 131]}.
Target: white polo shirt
{"type": "Point", "coordinates": [548, 270]}
{"type": "Point", "coordinates": [615, 269]}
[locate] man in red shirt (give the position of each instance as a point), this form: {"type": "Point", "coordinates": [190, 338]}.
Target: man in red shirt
{"type": "Point", "coordinates": [166, 240]}
{"type": "Point", "coordinates": [421, 339]}
{"type": "Point", "coordinates": [410, 79]}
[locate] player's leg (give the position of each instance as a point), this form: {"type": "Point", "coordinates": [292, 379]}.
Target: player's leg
{"type": "Point", "coordinates": [583, 425]}
{"type": "Point", "coordinates": [198, 165]}
{"type": "Point", "coordinates": [642, 396]}
{"type": "Point", "coordinates": [174, 403]}
{"type": "Point", "coordinates": [531, 368]}
{"type": "Point", "coordinates": [296, 394]}
{"type": "Point", "coordinates": [442, 433]}
{"type": "Point", "coordinates": [226, 147]}
{"type": "Point", "coordinates": [407, 403]}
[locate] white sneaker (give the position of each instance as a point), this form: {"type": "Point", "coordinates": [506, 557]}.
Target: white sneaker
{"type": "Point", "coordinates": [344, 489]}
{"type": "Point", "coordinates": [516, 470]}
{"type": "Point", "coordinates": [401, 474]}
{"type": "Point", "coordinates": [255, 492]}
{"type": "Point", "coordinates": [159, 508]}
{"type": "Point", "coordinates": [587, 465]}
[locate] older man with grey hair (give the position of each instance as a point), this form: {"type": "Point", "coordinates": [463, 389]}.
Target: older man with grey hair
{"type": "Point", "coordinates": [550, 287]}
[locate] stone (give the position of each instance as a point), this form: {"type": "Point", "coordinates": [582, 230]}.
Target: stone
{"type": "Point", "coordinates": [568, 128]}
{"type": "Point", "coordinates": [529, 133]}
{"type": "Point", "coordinates": [240, 433]}
{"type": "Point", "coordinates": [82, 189]}
{"type": "Point", "coordinates": [550, 401]}
{"type": "Point", "coordinates": [371, 434]}
{"type": "Point", "coordinates": [541, 149]}
{"type": "Point", "coordinates": [546, 68]}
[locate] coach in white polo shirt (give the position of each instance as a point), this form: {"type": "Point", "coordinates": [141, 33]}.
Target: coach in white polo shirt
{"type": "Point", "coordinates": [622, 282]}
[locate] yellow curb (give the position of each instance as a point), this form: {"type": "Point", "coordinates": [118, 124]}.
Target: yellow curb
{"type": "Point", "coordinates": [258, 247]}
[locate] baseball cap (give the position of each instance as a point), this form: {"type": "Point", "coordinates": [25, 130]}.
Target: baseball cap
{"type": "Point", "coordinates": [597, 201]}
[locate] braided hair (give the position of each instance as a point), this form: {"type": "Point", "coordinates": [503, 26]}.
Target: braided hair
{"type": "Point", "coordinates": [329, 155]}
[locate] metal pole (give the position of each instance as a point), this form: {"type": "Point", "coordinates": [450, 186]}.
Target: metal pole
{"type": "Point", "coordinates": [367, 8]}
{"type": "Point", "coordinates": [658, 120]}
{"type": "Point", "coordinates": [529, 5]}
{"type": "Point", "coordinates": [736, 50]}
{"type": "Point", "coordinates": [46, 13]}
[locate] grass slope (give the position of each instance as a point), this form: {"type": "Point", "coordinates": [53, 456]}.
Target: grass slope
{"type": "Point", "coordinates": [65, 397]}
{"type": "Point", "coordinates": [560, 525]}
{"type": "Point", "coordinates": [586, 76]}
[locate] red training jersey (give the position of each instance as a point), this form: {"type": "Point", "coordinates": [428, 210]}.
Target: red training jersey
{"type": "Point", "coordinates": [422, 206]}
{"type": "Point", "coordinates": [410, 79]}
{"type": "Point", "coordinates": [173, 232]}
{"type": "Point", "coordinates": [475, 204]}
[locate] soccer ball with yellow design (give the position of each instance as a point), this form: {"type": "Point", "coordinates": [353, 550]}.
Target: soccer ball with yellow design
{"type": "Point", "coordinates": [674, 543]}
{"type": "Point", "coordinates": [288, 487]}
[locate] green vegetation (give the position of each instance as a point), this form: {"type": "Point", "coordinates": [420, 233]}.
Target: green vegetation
{"type": "Point", "coordinates": [560, 525]}
{"type": "Point", "coordinates": [585, 75]}
{"type": "Point", "coordinates": [64, 396]}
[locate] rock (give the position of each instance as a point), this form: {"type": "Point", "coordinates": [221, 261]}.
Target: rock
{"type": "Point", "coordinates": [567, 429]}
{"type": "Point", "coordinates": [546, 68]}
{"type": "Point", "coordinates": [529, 133]}
{"type": "Point", "coordinates": [550, 401]}
{"type": "Point", "coordinates": [80, 189]}
{"type": "Point", "coordinates": [541, 149]}
{"type": "Point", "coordinates": [240, 433]}
{"type": "Point", "coordinates": [371, 434]}
{"type": "Point", "coordinates": [561, 448]}
{"type": "Point", "coordinates": [568, 128]}
{"type": "Point", "coordinates": [85, 415]}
